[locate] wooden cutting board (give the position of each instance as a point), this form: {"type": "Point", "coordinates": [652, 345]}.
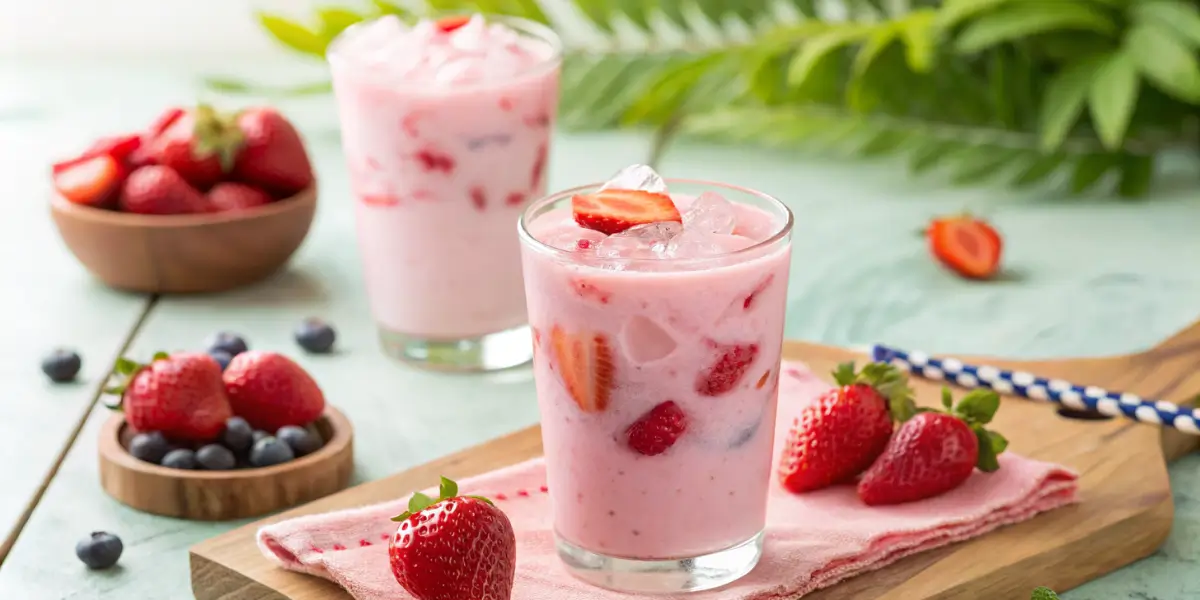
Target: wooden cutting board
{"type": "Point", "coordinates": [1125, 514]}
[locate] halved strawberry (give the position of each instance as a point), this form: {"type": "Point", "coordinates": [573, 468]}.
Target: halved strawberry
{"type": "Point", "coordinates": [966, 245]}
{"type": "Point", "coordinates": [585, 362]}
{"type": "Point", "coordinates": [90, 182]}
{"type": "Point", "coordinates": [725, 373]}
{"type": "Point", "coordinates": [657, 430]}
{"type": "Point", "coordinates": [614, 211]}
{"type": "Point", "coordinates": [448, 24]}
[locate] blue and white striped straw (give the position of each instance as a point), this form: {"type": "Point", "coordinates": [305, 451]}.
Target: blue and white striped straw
{"type": "Point", "coordinates": [1027, 385]}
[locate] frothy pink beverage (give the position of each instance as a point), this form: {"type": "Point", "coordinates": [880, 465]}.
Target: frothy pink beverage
{"type": "Point", "coordinates": [446, 130]}
{"type": "Point", "coordinates": [657, 352]}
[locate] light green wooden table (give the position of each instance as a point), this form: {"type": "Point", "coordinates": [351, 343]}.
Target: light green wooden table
{"type": "Point", "coordinates": [1089, 277]}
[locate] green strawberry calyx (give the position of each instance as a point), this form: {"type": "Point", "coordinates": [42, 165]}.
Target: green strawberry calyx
{"type": "Point", "coordinates": [123, 373]}
{"type": "Point", "coordinates": [1044, 593]}
{"type": "Point", "coordinates": [976, 409]}
{"type": "Point", "coordinates": [216, 133]}
{"type": "Point", "coordinates": [448, 490]}
{"type": "Point", "coordinates": [887, 380]}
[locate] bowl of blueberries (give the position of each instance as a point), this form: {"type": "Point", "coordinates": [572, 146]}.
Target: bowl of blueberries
{"type": "Point", "coordinates": [226, 433]}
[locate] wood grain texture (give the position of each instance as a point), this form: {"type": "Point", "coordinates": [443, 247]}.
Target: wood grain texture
{"type": "Point", "coordinates": [185, 253]}
{"type": "Point", "coordinates": [225, 495]}
{"type": "Point", "coordinates": [1125, 515]}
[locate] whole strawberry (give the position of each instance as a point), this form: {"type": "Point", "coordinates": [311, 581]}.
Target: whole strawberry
{"type": "Point", "coordinates": [158, 190]}
{"type": "Point", "coordinates": [272, 156]}
{"type": "Point", "coordinates": [199, 144]}
{"type": "Point", "coordinates": [180, 395]}
{"type": "Point", "coordinates": [935, 452]}
{"type": "Point", "coordinates": [841, 433]}
{"type": "Point", "coordinates": [232, 197]}
{"type": "Point", "coordinates": [454, 548]}
{"type": "Point", "coordinates": [270, 391]}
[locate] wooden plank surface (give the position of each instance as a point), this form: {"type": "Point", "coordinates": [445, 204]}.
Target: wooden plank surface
{"type": "Point", "coordinates": [1125, 514]}
{"type": "Point", "coordinates": [402, 417]}
{"type": "Point", "coordinates": [47, 301]}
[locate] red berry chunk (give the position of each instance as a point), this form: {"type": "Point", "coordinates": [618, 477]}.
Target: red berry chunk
{"type": "Point", "coordinates": [727, 371]}
{"type": "Point", "coordinates": [656, 431]}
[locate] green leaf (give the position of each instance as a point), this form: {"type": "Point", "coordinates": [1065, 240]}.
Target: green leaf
{"type": "Point", "coordinates": [882, 142]}
{"type": "Point", "coordinates": [125, 366]}
{"type": "Point", "coordinates": [844, 374]}
{"type": "Point", "coordinates": [160, 355]}
{"type": "Point", "coordinates": [1044, 593]}
{"type": "Point", "coordinates": [981, 164]}
{"type": "Point", "coordinates": [930, 155]}
{"type": "Point", "coordinates": [448, 489]}
{"type": "Point", "coordinates": [987, 461]}
{"type": "Point", "coordinates": [817, 48]}
{"type": "Point", "coordinates": [947, 399]}
{"type": "Point", "coordinates": [1090, 169]}
{"type": "Point", "coordinates": [1113, 97]}
{"type": "Point", "coordinates": [419, 502]}
{"type": "Point", "coordinates": [335, 20]}
{"type": "Point", "coordinates": [919, 32]}
{"type": "Point", "coordinates": [293, 35]}
{"type": "Point", "coordinates": [978, 407]}
{"type": "Point", "coordinates": [1175, 15]}
{"type": "Point", "coordinates": [1165, 61]}
{"type": "Point", "coordinates": [1136, 173]}
{"type": "Point", "coordinates": [598, 12]}
{"type": "Point", "coordinates": [879, 40]}
{"type": "Point", "coordinates": [954, 12]}
{"type": "Point", "coordinates": [1026, 19]}
{"type": "Point", "coordinates": [1038, 170]}
{"type": "Point", "coordinates": [999, 442]}
{"type": "Point", "coordinates": [384, 7]}
{"type": "Point", "coordinates": [236, 86]}
{"type": "Point", "coordinates": [483, 500]}
{"type": "Point", "coordinates": [1063, 103]}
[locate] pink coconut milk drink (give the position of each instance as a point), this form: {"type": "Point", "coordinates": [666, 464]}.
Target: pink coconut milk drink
{"type": "Point", "coordinates": [446, 129]}
{"type": "Point", "coordinates": [657, 350]}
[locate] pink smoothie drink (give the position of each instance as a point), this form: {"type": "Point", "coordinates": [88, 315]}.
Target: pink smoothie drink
{"type": "Point", "coordinates": [656, 361]}
{"type": "Point", "coordinates": [446, 130]}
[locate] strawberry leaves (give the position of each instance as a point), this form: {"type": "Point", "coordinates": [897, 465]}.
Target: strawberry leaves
{"type": "Point", "coordinates": [977, 409]}
{"type": "Point", "coordinates": [1044, 593]}
{"type": "Point", "coordinates": [447, 489]}
{"type": "Point", "coordinates": [890, 382]}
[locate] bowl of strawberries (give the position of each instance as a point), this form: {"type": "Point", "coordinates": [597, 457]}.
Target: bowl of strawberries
{"type": "Point", "coordinates": [202, 201]}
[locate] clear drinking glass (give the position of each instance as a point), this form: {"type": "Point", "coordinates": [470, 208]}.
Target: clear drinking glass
{"type": "Point", "coordinates": [620, 341]}
{"type": "Point", "coordinates": [439, 172]}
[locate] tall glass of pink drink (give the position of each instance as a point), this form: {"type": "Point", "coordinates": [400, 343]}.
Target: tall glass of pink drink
{"type": "Point", "coordinates": [656, 361]}
{"type": "Point", "coordinates": [446, 129]}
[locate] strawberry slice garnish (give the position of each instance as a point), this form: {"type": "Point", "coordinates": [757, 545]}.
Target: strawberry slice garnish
{"type": "Point", "coordinates": [585, 362]}
{"type": "Point", "coordinates": [90, 182]}
{"type": "Point", "coordinates": [656, 431]}
{"type": "Point", "coordinates": [448, 24]}
{"type": "Point", "coordinates": [614, 211]}
{"type": "Point", "coordinates": [725, 373]}
{"type": "Point", "coordinates": [966, 245]}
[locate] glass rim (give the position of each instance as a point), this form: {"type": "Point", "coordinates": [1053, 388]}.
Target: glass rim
{"type": "Point", "coordinates": [527, 238]}
{"type": "Point", "coordinates": [524, 26]}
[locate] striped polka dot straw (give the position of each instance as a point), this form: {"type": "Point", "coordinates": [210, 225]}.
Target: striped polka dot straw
{"type": "Point", "coordinates": [1027, 385]}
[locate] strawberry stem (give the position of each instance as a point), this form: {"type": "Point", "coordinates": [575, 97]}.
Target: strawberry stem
{"type": "Point", "coordinates": [217, 134]}
{"type": "Point", "coordinates": [977, 408]}
{"type": "Point", "coordinates": [447, 489]}
{"type": "Point", "coordinates": [890, 382]}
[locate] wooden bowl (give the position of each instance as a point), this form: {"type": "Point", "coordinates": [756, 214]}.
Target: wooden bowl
{"type": "Point", "coordinates": [225, 495]}
{"type": "Point", "coordinates": [174, 254]}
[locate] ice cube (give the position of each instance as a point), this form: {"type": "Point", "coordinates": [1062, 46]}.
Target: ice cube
{"type": "Point", "coordinates": [710, 213]}
{"type": "Point", "coordinates": [693, 243]}
{"type": "Point", "coordinates": [637, 177]}
{"type": "Point", "coordinates": [575, 239]}
{"type": "Point", "coordinates": [471, 37]}
{"type": "Point", "coordinates": [642, 241]}
{"type": "Point", "coordinates": [463, 68]}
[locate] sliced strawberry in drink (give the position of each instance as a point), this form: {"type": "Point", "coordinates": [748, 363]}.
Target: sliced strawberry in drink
{"type": "Point", "coordinates": [585, 361]}
{"type": "Point", "coordinates": [727, 370]}
{"type": "Point", "coordinates": [448, 24]}
{"type": "Point", "coordinates": [657, 430]}
{"type": "Point", "coordinates": [90, 182]}
{"type": "Point", "coordinates": [613, 211]}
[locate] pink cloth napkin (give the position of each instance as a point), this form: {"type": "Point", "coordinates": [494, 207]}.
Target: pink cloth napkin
{"type": "Point", "coordinates": [813, 540]}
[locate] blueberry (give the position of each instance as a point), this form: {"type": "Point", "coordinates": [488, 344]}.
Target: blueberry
{"type": "Point", "coordinates": [315, 335]}
{"type": "Point", "coordinates": [215, 458]}
{"type": "Point", "coordinates": [270, 451]}
{"type": "Point", "coordinates": [61, 365]}
{"type": "Point", "coordinates": [231, 343]}
{"type": "Point", "coordinates": [238, 436]}
{"type": "Point", "coordinates": [180, 458]}
{"type": "Point", "coordinates": [222, 357]}
{"type": "Point", "coordinates": [100, 550]}
{"type": "Point", "coordinates": [150, 447]}
{"type": "Point", "coordinates": [259, 434]}
{"type": "Point", "coordinates": [299, 439]}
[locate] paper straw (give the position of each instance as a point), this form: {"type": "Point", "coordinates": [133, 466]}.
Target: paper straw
{"type": "Point", "coordinates": [1027, 385]}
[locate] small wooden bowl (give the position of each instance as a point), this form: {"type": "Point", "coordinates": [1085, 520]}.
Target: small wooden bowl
{"type": "Point", "coordinates": [225, 495]}
{"type": "Point", "coordinates": [175, 254]}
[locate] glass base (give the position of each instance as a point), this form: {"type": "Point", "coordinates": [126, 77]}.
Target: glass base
{"type": "Point", "coordinates": [491, 352]}
{"type": "Point", "coordinates": [662, 576]}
